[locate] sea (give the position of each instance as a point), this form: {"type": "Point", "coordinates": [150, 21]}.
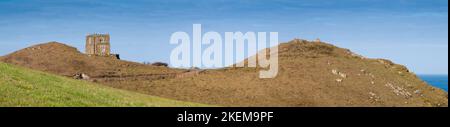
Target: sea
{"type": "Point", "coordinates": [439, 81]}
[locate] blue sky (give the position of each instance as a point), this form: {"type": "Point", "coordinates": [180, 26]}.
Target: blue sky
{"type": "Point", "coordinates": [409, 32]}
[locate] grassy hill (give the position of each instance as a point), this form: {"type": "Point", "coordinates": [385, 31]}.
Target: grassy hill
{"type": "Point", "coordinates": [23, 87]}
{"type": "Point", "coordinates": [315, 74]}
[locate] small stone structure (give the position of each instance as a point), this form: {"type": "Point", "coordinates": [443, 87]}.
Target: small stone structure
{"type": "Point", "coordinates": [99, 45]}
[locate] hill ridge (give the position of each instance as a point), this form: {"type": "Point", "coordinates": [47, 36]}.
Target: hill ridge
{"type": "Point", "coordinates": [310, 74]}
{"type": "Point", "coordinates": [29, 88]}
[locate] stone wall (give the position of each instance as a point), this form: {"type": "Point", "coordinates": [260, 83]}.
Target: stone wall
{"type": "Point", "coordinates": [98, 44]}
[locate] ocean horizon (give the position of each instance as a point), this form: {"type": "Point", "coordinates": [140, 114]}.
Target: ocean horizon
{"type": "Point", "coordinates": [439, 81]}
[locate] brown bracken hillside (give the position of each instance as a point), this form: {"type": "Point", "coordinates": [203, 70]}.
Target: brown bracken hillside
{"type": "Point", "coordinates": [310, 74]}
{"type": "Point", "coordinates": [67, 61]}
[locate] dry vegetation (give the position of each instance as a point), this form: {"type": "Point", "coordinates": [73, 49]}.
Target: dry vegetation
{"type": "Point", "coordinates": [311, 74]}
{"type": "Point", "coordinates": [58, 58]}
{"type": "Point", "coordinates": [28, 88]}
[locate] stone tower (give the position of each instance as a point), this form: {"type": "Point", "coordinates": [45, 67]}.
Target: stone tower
{"type": "Point", "coordinates": [98, 44]}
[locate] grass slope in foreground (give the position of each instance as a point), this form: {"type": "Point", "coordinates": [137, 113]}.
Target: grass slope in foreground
{"type": "Point", "coordinates": [23, 87]}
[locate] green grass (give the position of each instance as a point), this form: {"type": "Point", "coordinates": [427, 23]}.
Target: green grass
{"type": "Point", "coordinates": [20, 87]}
